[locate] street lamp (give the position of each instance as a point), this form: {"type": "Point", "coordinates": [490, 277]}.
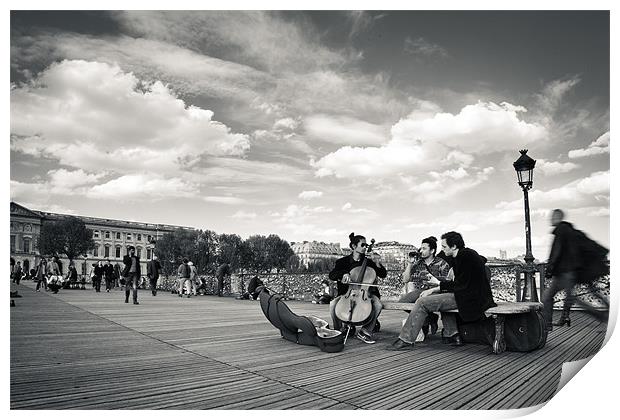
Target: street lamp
{"type": "Point", "coordinates": [525, 174]}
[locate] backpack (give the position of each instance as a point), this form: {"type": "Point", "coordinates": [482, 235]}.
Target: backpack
{"type": "Point", "coordinates": [523, 332]}
{"type": "Point", "coordinates": [593, 256]}
{"type": "Point", "coordinates": [183, 271]}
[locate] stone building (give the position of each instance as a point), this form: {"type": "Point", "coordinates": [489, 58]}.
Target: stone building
{"type": "Point", "coordinates": [394, 254]}
{"type": "Point", "coordinates": [312, 252]}
{"type": "Point", "coordinates": [112, 237]}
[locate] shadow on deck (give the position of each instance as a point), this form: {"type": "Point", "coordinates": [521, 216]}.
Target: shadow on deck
{"type": "Point", "coordinates": [81, 349]}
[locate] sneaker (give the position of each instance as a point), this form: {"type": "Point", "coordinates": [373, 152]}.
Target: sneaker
{"type": "Point", "coordinates": [365, 338]}
{"type": "Point", "coordinates": [136, 303]}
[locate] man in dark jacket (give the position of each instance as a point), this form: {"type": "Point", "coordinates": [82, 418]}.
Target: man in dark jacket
{"type": "Point", "coordinates": [153, 269]}
{"type": "Point", "coordinates": [108, 274]}
{"type": "Point", "coordinates": [564, 266]}
{"type": "Point", "coordinates": [470, 293]}
{"type": "Point", "coordinates": [132, 274]}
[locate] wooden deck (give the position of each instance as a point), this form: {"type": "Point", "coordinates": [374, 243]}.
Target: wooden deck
{"type": "Point", "coordinates": [85, 350]}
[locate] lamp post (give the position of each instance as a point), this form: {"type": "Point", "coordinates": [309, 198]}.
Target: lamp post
{"type": "Point", "coordinates": [525, 174]}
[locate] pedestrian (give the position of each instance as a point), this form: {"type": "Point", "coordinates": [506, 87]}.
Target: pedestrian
{"type": "Point", "coordinates": [54, 274]}
{"type": "Point", "coordinates": [41, 274]}
{"type": "Point", "coordinates": [108, 273]}
{"type": "Point", "coordinates": [193, 279]}
{"type": "Point", "coordinates": [99, 272]}
{"type": "Point", "coordinates": [183, 274]}
{"type": "Point", "coordinates": [567, 265]}
{"type": "Point", "coordinates": [222, 270]}
{"type": "Point", "coordinates": [17, 272]}
{"type": "Point", "coordinates": [131, 274]}
{"type": "Point", "coordinates": [153, 268]}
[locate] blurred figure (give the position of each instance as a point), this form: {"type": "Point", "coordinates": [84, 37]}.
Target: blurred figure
{"type": "Point", "coordinates": [193, 278]}
{"type": "Point", "coordinates": [153, 268]}
{"type": "Point", "coordinates": [99, 272]}
{"type": "Point", "coordinates": [41, 274]}
{"type": "Point", "coordinates": [183, 273]}
{"type": "Point", "coordinates": [108, 273]}
{"type": "Point", "coordinates": [222, 270]}
{"type": "Point", "coordinates": [569, 264]}
{"type": "Point", "coordinates": [326, 294]}
{"type": "Point", "coordinates": [131, 274]}
{"type": "Point", "coordinates": [252, 292]}
{"type": "Point", "coordinates": [17, 273]}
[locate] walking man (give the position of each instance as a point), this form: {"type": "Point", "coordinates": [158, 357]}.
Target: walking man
{"type": "Point", "coordinates": [153, 268]}
{"type": "Point", "coordinates": [183, 275]}
{"type": "Point", "coordinates": [131, 272]}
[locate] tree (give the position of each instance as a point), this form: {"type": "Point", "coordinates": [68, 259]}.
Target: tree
{"type": "Point", "coordinates": [205, 251]}
{"type": "Point", "coordinates": [67, 236]}
{"type": "Point", "coordinates": [173, 246]}
{"type": "Point", "coordinates": [267, 253]}
{"type": "Point", "coordinates": [231, 250]}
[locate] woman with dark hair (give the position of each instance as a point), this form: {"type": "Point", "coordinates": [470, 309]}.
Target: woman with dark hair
{"type": "Point", "coordinates": [340, 274]}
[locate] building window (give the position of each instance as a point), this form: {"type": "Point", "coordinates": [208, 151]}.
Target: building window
{"type": "Point", "coordinates": [139, 236]}
{"type": "Point", "coordinates": [27, 245]}
{"type": "Point", "coordinates": [96, 252]}
{"type": "Point", "coordinates": [12, 243]}
{"type": "Point", "coordinates": [129, 236]}
{"type": "Point", "coordinates": [96, 234]}
{"type": "Point", "coordinates": [139, 252]}
{"type": "Point", "coordinates": [106, 251]}
{"type": "Point", "coordinates": [107, 235]}
{"type": "Point", "coordinates": [118, 235]}
{"type": "Point", "coordinates": [148, 238]}
{"type": "Point", "coordinates": [118, 252]}
{"type": "Point", "coordinates": [148, 253]}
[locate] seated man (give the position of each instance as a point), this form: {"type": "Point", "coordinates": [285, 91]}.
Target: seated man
{"type": "Point", "coordinates": [326, 295]}
{"type": "Point", "coordinates": [340, 273]}
{"type": "Point", "coordinates": [470, 293]}
{"type": "Point", "coordinates": [419, 274]}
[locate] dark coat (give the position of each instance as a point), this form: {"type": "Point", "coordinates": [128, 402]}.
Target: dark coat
{"type": "Point", "coordinates": [344, 266]}
{"type": "Point", "coordinates": [127, 262]}
{"type": "Point", "coordinates": [564, 256]}
{"type": "Point", "coordinates": [99, 271]}
{"type": "Point", "coordinates": [108, 271]}
{"type": "Point", "coordinates": [152, 269]}
{"type": "Point", "coordinates": [472, 291]}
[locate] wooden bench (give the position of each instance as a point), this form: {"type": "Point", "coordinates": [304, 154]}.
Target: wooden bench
{"type": "Point", "coordinates": [498, 313]}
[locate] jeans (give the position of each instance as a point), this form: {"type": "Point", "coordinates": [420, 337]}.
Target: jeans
{"type": "Point", "coordinates": [563, 281]}
{"type": "Point", "coordinates": [422, 308]}
{"type": "Point", "coordinates": [109, 283]}
{"type": "Point", "coordinates": [412, 297]}
{"type": "Point", "coordinates": [377, 306]}
{"type": "Point", "coordinates": [131, 283]}
{"type": "Point", "coordinates": [97, 283]}
{"type": "Point", "coordinates": [43, 280]}
{"type": "Point", "coordinates": [189, 285]}
{"type": "Point", "coordinates": [153, 284]}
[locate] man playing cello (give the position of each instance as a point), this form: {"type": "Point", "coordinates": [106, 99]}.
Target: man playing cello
{"type": "Point", "coordinates": [341, 274]}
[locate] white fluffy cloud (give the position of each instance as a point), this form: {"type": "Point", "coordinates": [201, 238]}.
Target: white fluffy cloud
{"type": "Point", "coordinates": [94, 116]}
{"type": "Point", "coordinates": [308, 195]}
{"type": "Point", "coordinates": [597, 147]}
{"type": "Point", "coordinates": [431, 140]}
{"type": "Point", "coordinates": [554, 168]}
{"type": "Point", "coordinates": [344, 130]}
{"type": "Point", "coordinates": [140, 186]}
{"type": "Point", "coordinates": [243, 215]}
{"type": "Point", "coordinates": [586, 191]}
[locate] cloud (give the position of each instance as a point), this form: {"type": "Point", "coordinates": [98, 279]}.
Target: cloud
{"type": "Point", "coordinates": [429, 141]}
{"type": "Point", "coordinates": [137, 187]}
{"type": "Point", "coordinates": [223, 199]}
{"type": "Point", "coordinates": [348, 207]}
{"type": "Point", "coordinates": [344, 130]}
{"type": "Point", "coordinates": [244, 215]}
{"type": "Point", "coordinates": [597, 147]}
{"type": "Point", "coordinates": [592, 189]}
{"type": "Point", "coordinates": [308, 195]}
{"type": "Point", "coordinates": [446, 184]}
{"type": "Point", "coordinates": [422, 47]}
{"type": "Point", "coordinates": [553, 93]}
{"type": "Point", "coordinates": [63, 180]}
{"type": "Point", "coordinates": [96, 117]}
{"type": "Point", "coordinates": [554, 168]}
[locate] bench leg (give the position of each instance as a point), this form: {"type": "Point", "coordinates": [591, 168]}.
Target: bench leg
{"type": "Point", "coordinates": [499, 344]}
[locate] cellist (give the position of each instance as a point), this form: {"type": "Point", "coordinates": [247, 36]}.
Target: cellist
{"type": "Point", "coordinates": [340, 274]}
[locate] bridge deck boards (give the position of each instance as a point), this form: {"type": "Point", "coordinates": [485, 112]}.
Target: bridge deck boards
{"type": "Point", "coordinates": [85, 350]}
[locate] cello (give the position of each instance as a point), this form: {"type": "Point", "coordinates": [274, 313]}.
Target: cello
{"type": "Point", "coordinates": [355, 307]}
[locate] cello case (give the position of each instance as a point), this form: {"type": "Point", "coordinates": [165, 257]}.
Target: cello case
{"type": "Point", "coordinates": [309, 331]}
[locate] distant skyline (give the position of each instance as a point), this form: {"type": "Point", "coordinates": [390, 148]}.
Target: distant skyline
{"type": "Point", "coordinates": [394, 124]}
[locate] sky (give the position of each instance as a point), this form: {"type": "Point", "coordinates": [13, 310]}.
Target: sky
{"type": "Point", "coordinates": [311, 125]}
